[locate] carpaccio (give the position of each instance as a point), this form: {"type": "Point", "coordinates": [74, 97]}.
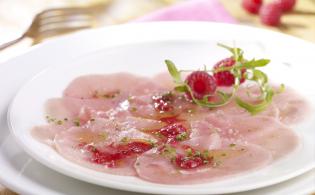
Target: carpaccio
{"type": "Point", "coordinates": [135, 126]}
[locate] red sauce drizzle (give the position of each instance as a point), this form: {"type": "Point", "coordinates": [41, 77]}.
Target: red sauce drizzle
{"type": "Point", "coordinates": [171, 133]}
{"type": "Point", "coordinates": [117, 153]}
{"type": "Point", "coordinates": [188, 162]}
{"type": "Point", "coordinates": [171, 119]}
{"type": "Point", "coordinates": [191, 160]}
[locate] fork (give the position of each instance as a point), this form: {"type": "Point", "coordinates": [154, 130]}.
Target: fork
{"type": "Point", "coordinates": [57, 21]}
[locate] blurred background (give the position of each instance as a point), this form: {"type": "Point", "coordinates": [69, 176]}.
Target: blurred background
{"type": "Point", "coordinates": [16, 15]}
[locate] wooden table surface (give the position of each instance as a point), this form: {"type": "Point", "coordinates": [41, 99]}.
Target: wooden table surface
{"type": "Point", "coordinates": [300, 23]}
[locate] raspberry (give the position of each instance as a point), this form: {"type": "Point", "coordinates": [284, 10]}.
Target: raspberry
{"type": "Point", "coordinates": [225, 78]}
{"type": "Point", "coordinates": [270, 14]}
{"type": "Point", "coordinates": [201, 84]}
{"type": "Point", "coordinates": [252, 6]}
{"type": "Point", "coordinates": [286, 5]}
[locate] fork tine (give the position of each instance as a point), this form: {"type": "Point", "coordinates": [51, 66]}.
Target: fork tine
{"type": "Point", "coordinates": [75, 10]}
{"type": "Point", "coordinates": [39, 23]}
{"type": "Point", "coordinates": [62, 25]}
{"type": "Point", "coordinates": [61, 31]}
{"type": "Point", "coordinates": [63, 11]}
{"type": "Point", "coordinates": [61, 28]}
{"type": "Point", "coordinates": [58, 21]}
{"type": "Point", "coordinates": [62, 19]}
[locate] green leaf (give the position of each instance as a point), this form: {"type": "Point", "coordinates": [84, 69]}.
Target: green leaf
{"type": "Point", "coordinates": [224, 99]}
{"type": "Point", "coordinates": [281, 89]}
{"type": "Point", "coordinates": [251, 108]}
{"type": "Point", "coordinates": [173, 71]}
{"type": "Point", "coordinates": [181, 88]}
{"type": "Point", "coordinates": [237, 52]}
{"type": "Point", "coordinates": [255, 63]}
{"type": "Point", "coordinates": [259, 76]}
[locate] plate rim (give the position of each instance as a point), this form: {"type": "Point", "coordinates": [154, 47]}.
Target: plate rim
{"type": "Point", "coordinates": [118, 187]}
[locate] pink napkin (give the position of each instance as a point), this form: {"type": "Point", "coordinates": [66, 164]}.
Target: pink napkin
{"type": "Point", "coordinates": [192, 10]}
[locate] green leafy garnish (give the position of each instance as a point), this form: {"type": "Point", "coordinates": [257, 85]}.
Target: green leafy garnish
{"type": "Point", "coordinates": [241, 69]}
{"type": "Point", "coordinates": [173, 71]}
{"type": "Point", "coordinates": [255, 63]}
{"type": "Point", "coordinates": [181, 88]}
{"type": "Point", "coordinates": [224, 99]}
{"type": "Point", "coordinates": [168, 152]}
{"type": "Point", "coordinates": [181, 136]}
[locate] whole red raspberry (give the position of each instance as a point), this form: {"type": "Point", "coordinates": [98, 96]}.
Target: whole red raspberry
{"type": "Point", "coordinates": [270, 14]}
{"type": "Point", "coordinates": [226, 78]}
{"type": "Point", "coordinates": [252, 6]}
{"type": "Point", "coordinates": [201, 84]}
{"type": "Point", "coordinates": [286, 5]}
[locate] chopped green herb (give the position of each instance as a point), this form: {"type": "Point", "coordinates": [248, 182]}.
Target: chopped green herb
{"type": "Point", "coordinates": [76, 122]}
{"type": "Point", "coordinates": [124, 139]}
{"type": "Point", "coordinates": [158, 134]}
{"type": "Point", "coordinates": [108, 95]}
{"type": "Point", "coordinates": [189, 152]}
{"type": "Point", "coordinates": [181, 137]}
{"type": "Point", "coordinates": [130, 98]}
{"type": "Point", "coordinates": [217, 163]}
{"type": "Point", "coordinates": [205, 154]}
{"type": "Point", "coordinates": [94, 149]}
{"type": "Point", "coordinates": [197, 154]}
{"type": "Point", "coordinates": [103, 135]}
{"type": "Point", "coordinates": [169, 152]}
{"type": "Point", "coordinates": [190, 111]}
{"type": "Point", "coordinates": [153, 144]}
{"type": "Point", "coordinates": [232, 145]}
{"type": "Point", "coordinates": [133, 109]}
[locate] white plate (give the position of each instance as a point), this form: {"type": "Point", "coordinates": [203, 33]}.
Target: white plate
{"type": "Point", "coordinates": [195, 40]}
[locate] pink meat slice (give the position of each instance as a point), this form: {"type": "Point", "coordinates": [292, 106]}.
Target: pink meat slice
{"type": "Point", "coordinates": [121, 84]}
{"type": "Point", "coordinates": [66, 111]}
{"type": "Point", "coordinates": [46, 133]}
{"type": "Point", "coordinates": [117, 130]}
{"type": "Point", "coordinates": [153, 167]}
{"type": "Point", "coordinates": [165, 80]}
{"type": "Point", "coordinates": [203, 136]}
{"type": "Point", "coordinates": [68, 145]}
{"type": "Point", "coordinates": [71, 108]}
{"type": "Point", "coordinates": [100, 133]}
{"type": "Point", "coordinates": [248, 94]}
{"type": "Point", "coordinates": [145, 107]}
{"type": "Point", "coordinates": [266, 132]}
{"type": "Point", "coordinates": [292, 107]}
{"type": "Point", "coordinates": [234, 110]}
